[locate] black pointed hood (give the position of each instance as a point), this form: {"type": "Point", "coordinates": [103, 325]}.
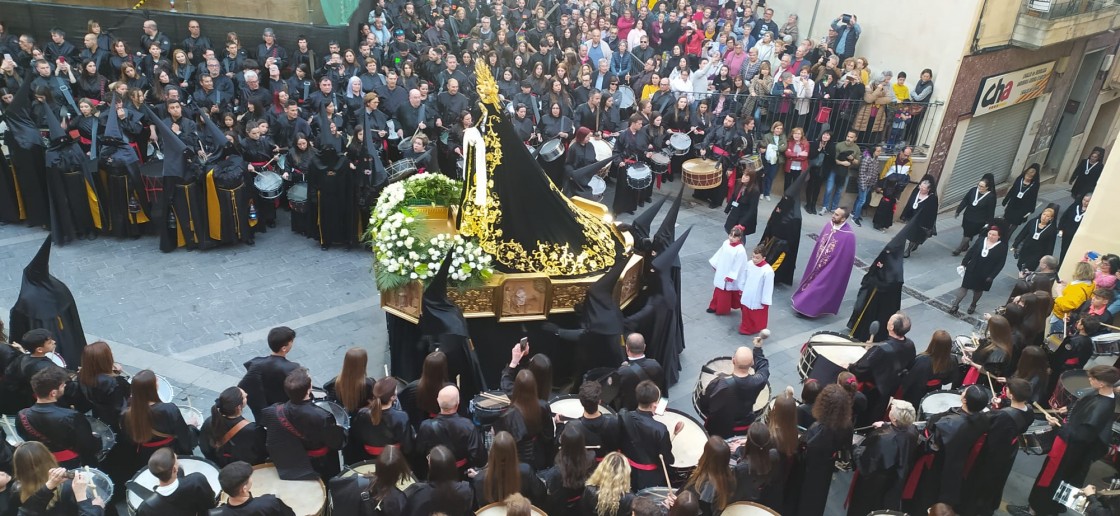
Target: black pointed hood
{"type": "Point", "coordinates": [19, 117]}
{"type": "Point", "coordinates": [328, 141]}
{"type": "Point", "coordinates": [601, 314]}
{"type": "Point", "coordinates": [664, 263]}
{"type": "Point", "coordinates": [174, 150]}
{"type": "Point", "coordinates": [57, 134]}
{"type": "Point", "coordinates": [639, 228]}
{"type": "Point", "coordinates": [438, 314]}
{"type": "Point", "coordinates": [667, 231]}
{"type": "Point", "coordinates": [113, 132]}
{"type": "Point", "coordinates": [46, 302]}
{"type": "Point", "coordinates": [892, 254]}
{"type": "Point", "coordinates": [583, 174]}
{"type": "Point", "coordinates": [791, 195]}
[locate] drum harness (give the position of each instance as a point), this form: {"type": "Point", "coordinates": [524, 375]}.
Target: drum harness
{"type": "Point", "coordinates": [60, 455]}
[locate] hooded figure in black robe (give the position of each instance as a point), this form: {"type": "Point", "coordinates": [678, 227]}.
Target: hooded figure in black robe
{"type": "Point", "coordinates": [335, 181]}
{"type": "Point", "coordinates": [25, 146]}
{"type": "Point", "coordinates": [599, 337]}
{"type": "Point", "coordinates": [228, 217]}
{"type": "Point", "coordinates": [880, 292]}
{"type": "Point", "coordinates": [670, 271]}
{"type": "Point", "coordinates": [179, 210]}
{"type": "Point", "coordinates": [45, 302]}
{"type": "Point", "coordinates": [125, 200]}
{"type": "Point", "coordinates": [882, 468]}
{"type": "Point", "coordinates": [69, 190]}
{"type": "Point", "coordinates": [782, 235]}
{"type": "Point", "coordinates": [639, 227]}
{"type": "Point", "coordinates": [444, 328]}
{"type": "Point", "coordinates": [659, 321]}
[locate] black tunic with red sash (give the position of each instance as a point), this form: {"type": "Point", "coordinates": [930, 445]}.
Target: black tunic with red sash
{"type": "Point", "coordinates": [982, 494]}
{"type": "Point", "coordinates": [371, 439]}
{"type": "Point", "coordinates": [729, 401]}
{"type": "Point", "coordinates": [64, 431]}
{"type": "Point", "coordinates": [644, 439]}
{"type": "Point", "coordinates": [954, 439]}
{"type": "Point", "coordinates": [303, 440]}
{"type": "Point", "coordinates": [242, 442]}
{"type": "Point", "coordinates": [604, 431]}
{"type": "Point", "coordinates": [457, 433]}
{"type": "Point", "coordinates": [881, 469]}
{"type": "Point", "coordinates": [1082, 439]}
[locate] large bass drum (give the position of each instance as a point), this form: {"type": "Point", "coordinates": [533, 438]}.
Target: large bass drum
{"type": "Point", "coordinates": [826, 355]}
{"type": "Point", "coordinates": [702, 174]}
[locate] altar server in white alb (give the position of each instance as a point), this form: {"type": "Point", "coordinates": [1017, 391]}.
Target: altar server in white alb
{"type": "Point", "coordinates": [728, 263]}
{"type": "Point", "coordinates": [758, 292]}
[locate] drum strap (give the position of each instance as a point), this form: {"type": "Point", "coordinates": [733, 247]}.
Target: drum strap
{"type": "Point", "coordinates": [232, 432]}
{"type": "Point", "coordinates": [287, 424]}
{"type": "Point", "coordinates": [639, 372]}
{"type": "Point", "coordinates": [30, 429]}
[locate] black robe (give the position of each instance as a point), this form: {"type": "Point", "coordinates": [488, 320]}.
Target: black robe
{"type": "Point", "coordinates": [558, 499]}
{"type": "Point", "coordinates": [813, 473]}
{"type": "Point", "coordinates": [534, 449]}
{"type": "Point", "coordinates": [954, 439]}
{"type": "Point", "coordinates": [25, 148]}
{"type": "Point", "coordinates": [981, 271]}
{"type": "Point", "coordinates": [879, 297]}
{"type": "Point", "coordinates": [247, 445]}
{"type": "Point", "coordinates": [61, 502]}
{"type": "Point", "coordinates": [367, 440]}
{"type": "Point", "coordinates": [927, 223]}
{"type": "Point", "coordinates": [458, 434]}
{"type": "Point", "coordinates": [11, 209]}
{"type": "Point", "coordinates": [881, 469]}
{"type": "Point", "coordinates": [922, 380]}
{"type": "Point", "coordinates": [1085, 177]}
{"type": "Point", "coordinates": [263, 382]}
{"type": "Point", "coordinates": [644, 438]}
{"type": "Point", "coordinates": [1020, 201]}
{"type": "Point", "coordinates": [604, 431]}
{"type": "Point", "coordinates": [350, 497]}
{"type": "Point", "coordinates": [128, 456]}
{"type": "Point", "coordinates": [783, 232]}
{"type": "Point", "coordinates": [1070, 221]}
{"type": "Point", "coordinates": [45, 302]}
{"type": "Point", "coordinates": [627, 149]}
{"type": "Point", "coordinates": [107, 398]}
{"type": "Point", "coordinates": [531, 487]}
{"type": "Point", "coordinates": [892, 187]}
{"type": "Point", "coordinates": [729, 401]}
{"type": "Point", "coordinates": [336, 199]}
{"type": "Point", "coordinates": [1031, 247]}
{"type": "Point", "coordinates": [193, 497]}
{"type": "Point", "coordinates": [590, 499]}
{"type": "Point", "coordinates": [60, 429]}
{"type": "Point", "coordinates": [265, 505]}
{"type": "Point", "coordinates": [303, 440]}
{"type": "Point", "coordinates": [743, 211]}
{"type": "Point", "coordinates": [227, 202]}
{"type": "Point", "coordinates": [976, 217]}
{"type": "Point", "coordinates": [1082, 439]}
{"type": "Point", "coordinates": [996, 458]}
{"type": "Point", "coordinates": [578, 156]}
{"type": "Point", "coordinates": [631, 374]}
{"type": "Point", "coordinates": [453, 499]}
{"type": "Point", "coordinates": [883, 366]}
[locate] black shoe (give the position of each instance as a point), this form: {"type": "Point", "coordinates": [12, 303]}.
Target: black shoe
{"type": "Point", "coordinates": [710, 310]}
{"type": "Point", "coordinates": [1019, 510]}
{"type": "Point", "coordinates": [971, 309]}
{"type": "Point", "coordinates": [859, 222]}
{"type": "Point", "coordinates": [906, 253]}
{"type": "Point", "coordinates": [324, 247]}
{"type": "Point", "coordinates": [810, 210]}
{"type": "Point", "coordinates": [955, 309]}
{"type": "Point", "coordinates": [250, 242]}
{"type": "Point", "coordinates": [956, 252]}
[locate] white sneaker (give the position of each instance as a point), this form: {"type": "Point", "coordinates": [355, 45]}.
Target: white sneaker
{"type": "Point", "coordinates": [821, 211]}
{"type": "Point", "coordinates": [767, 198]}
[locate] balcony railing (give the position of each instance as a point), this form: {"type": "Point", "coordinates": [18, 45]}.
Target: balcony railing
{"type": "Point", "coordinates": [1056, 9]}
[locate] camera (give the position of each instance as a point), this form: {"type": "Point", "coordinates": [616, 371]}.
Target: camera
{"type": "Point", "coordinates": [846, 19]}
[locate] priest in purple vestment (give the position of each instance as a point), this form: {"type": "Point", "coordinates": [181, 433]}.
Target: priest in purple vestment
{"type": "Point", "coordinates": [826, 276]}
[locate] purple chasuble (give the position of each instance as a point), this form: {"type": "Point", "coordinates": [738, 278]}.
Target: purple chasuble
{"type": "Point", "coordinates": [826, 276]}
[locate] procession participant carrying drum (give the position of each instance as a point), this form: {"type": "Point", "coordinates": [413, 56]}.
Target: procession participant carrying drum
{"type": "Point", "coordinates": [882, 368]}
{"type": "Point", "coordinates": [633, 178]}
{"type": "Point", "coordinates": [601, 427]}
{"type": "Point", "coordinates": [381, 483]}
{"type": "Point", "coordinates": [269, 495]}
{"type": "Point", "coordinates": [826, 355]}
{"type": "Point", "coordinates": [1008, 428]}
{"type": "Point", "coordinates": [302, 439]}
{"type": "Point", "coordinates": [724, 144]}
{"type": "Point", "coordinates": [648, 442]}
{"type": "Point", "coordinates": [158, 488]}
{"type": "Point", "coordinates": [729, 402]}
{"type": "Point", "coordinates": [260, 153]}
{"type": "Point", "coordinates": [65, 432]}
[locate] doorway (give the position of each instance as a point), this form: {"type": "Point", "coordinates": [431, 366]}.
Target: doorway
{"type": "Point", "coordinates": [1075, 107]}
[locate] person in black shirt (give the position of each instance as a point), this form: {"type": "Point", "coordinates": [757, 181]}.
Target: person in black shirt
{"type": "Point", "coordinates": [18, 373]}
{"type": "Point", "coordinates": [882, 368]}
{"type": "Point", "coordinates": [228, 437]}
{"type": "Point", "coordinates": [237, 484]}
{"type": "Point", "coordinates": [646, 442]}
{"type": "Point", "coordinates": [599, 429]}
{"type": "Point", "coordinates": [636, 369]}
{"type": "Point", "coordinates": [997, 455]}
{"type": "Point", "coordinates": [564, 482]}
{"type": "Point", "coordinates": [303, 440]}
{"type": "Point", "coordinates": [190, 495]}
{"type": "Point", "coordinates": [729, 401]}
{"type": "Point", "coordinates": [443, 491]}
{"type": "Point", "coordinates": [456, 432]}
{"type": "Point", "coordinates": [64, 431]}
{"type": "Point", "coordinates": [264, 376]}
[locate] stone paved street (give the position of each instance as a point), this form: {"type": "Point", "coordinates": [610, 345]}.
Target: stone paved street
{"type": "Point", "coordinates": [195, 317]}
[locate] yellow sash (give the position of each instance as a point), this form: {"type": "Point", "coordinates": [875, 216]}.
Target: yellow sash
{"type": "Point", "coordinates": [213, 210]}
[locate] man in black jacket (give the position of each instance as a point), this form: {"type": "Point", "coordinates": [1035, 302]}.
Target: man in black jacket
{"type": "Point", "coordinates": [450, 429]}
{"type": "Point", "coordinates": [18, 373]}
{"type": "Point", "coordinates": [636, 369]}
{"type": "Point", "coordinates": [729, 401]}
{"type": "Point", "coordinates": [882, 367]}
{"type": "Point", "coordinates": [263, 382]}
{"type": "Point", "coordinates": [646, 442]}
{"type": "Point", "coordinates": [64, 431]}
{"type": "Point", "coordinates": [303, 440]}
{"type": "Point", "coordinates": [190, 495]}
{"type": "Point", "coordinates": [236, 481]}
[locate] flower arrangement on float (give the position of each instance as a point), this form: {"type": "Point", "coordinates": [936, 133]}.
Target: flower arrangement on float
{"type": "Point", "coordinates": [410, 236]}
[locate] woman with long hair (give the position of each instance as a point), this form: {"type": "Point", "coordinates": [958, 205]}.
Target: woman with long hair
{"type": "Point", "coordinates": [1034, 367]}
{"type": "Point", "coordinates": [860, 415]}
{"type": "Point", "coordinates": [1037, 307]}
{"type": "Point", "coordinates": [351, 388]}
{"type": "Point", "coordinates": [118, 56]}
{"type": "Point", "coordinates": [182, 69]}
{"type": "Point", "coordinates": [504, 474]}
{"type": "Point", "coordinates": [529, 421]}
{"type": "Point", "coordinates": [608, 489]}
{"type": "Point", "coordinates": [994, 356]}
{"type": "Point", "coordinates": [149, 424]}
{"type": "Point", "coordinates": [227, 436]}
{"type": "Point", "coordinates": [379, 426]}
{"type": "Point", "coordinates": [755, 462]}
{"type": "Point", "coordinates": [300, 157]}
{"type": "Point", "coordinates": [564, 481]}
{"type": "Point", "coordinates": [418, 398]}
{"type": "Point", "coordinates": [934, 367]}
{"type": "Point", "coordinates": [377, 489]}
{"type": "Point", "coordinates": [782, 423]}
{"type": "Point", "coordinates": [442, 491]}
{"type": "Point", "coordinates": [922, 205]}
{"type": "Point", "coordinates": [101, 385]}
{"type": "Point", "coordinates": [889, 454]}
{"type": "Point", "coordinates": [539, 365]}
{"type": "Point", "coordinates": [712, 481]}
{"type": "Point", "coordinates": [91, 84]}
{"type": "Point", "coordinates": [809, 392]}
{"type": "Point", "coordinates": [831, 433]}
{"type": "Point", "coordinates": [43, 489]}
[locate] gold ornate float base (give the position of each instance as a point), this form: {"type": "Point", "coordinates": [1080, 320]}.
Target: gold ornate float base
{"type": "Point", "coordinates": [515, 297]}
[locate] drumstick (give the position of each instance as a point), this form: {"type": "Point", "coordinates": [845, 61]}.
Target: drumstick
{"type": "Point", "coordinates": [493, 397]}
{"type": "Point", "coordinates": [1044, 411]}
{"type": "Point", "coordinates": [592, 447]}
{"type": "Point", "coordinates": [990, 385]}
{"type": "Point", "coordinates": [386, 370]}
{"type": "Point", "coordinates": [1111, 327]}
{"type": "Point", "coordinates": [664, 470]}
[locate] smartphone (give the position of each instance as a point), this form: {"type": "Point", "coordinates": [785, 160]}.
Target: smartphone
{"type": "Point", "coordinates": [8, 57]}
{"type": "Point", "coordinates": [524, 344]}
{"type": "Point", "coordinates": [662, 404]}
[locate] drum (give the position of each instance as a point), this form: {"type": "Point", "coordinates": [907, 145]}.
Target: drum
{"type": "Point", "coordinates": [401, 169]}
{"type": "Point", "coordinates": [192, 416]}
{"type": "Point", "coordinates": [104, 434]}
{"type": "Point", "coordinates": [269, 184]}
{"type": "Point", "coordinates": [680, 143]}
{"type": "Point", "coordinates": [625, 98]}
{"type": "Point", "coordinates": [499, 509]}
{"type": "Point", "coordinates": [305, 497]}
{"type": "Point", "coordinates": [569, 407]}
{"type": "Point", "coordinates": [1038, 439]}
{"type": "Point", "coordinates": [603, 150]}
{"type": "Point", "coordinates": [598, 188]}
{"type": "Point", "coordinates": [145, 480]}
{"type": "Point", "coordinates": [752, 162]}
{"type": "Point", "coordinates": [938, 402]}
{"type": "Point", "coordinates": [659, 163]}
{"type": "Point", "coordinates": [369, 468]}
{"type": "Point", "coordinates": [826, 355]}
{"type": "Point", "coordinates": [748, 509]}
{"type": "Point", "coordinates": [405, 144]}
{"type": "Point", "coordinates": [341, 417]}
{"type": "Point", "coordinates": [702, 174]}
{"type": "Point", "coordinates": [687, 445]}
{"type": "Point", "coordinates": [8, 424]}
{"type": "Point", "coordinates": [552, 149]}
{"type": "Point", "coordinates": [485, 411]}
{"type": "Point", "coordinates": [657, 495]}
{"type": "Point", "coordinates": [1071, 496]}
{"type": "Point", "coordinates": [282, 161]}
{"type": "Point", "coordinates": [716, 368]}
{"type": "Point", "coordinates": [1107, 344]}
{"type": "Point", "coordinates": [1072, 385]}
{"type": "Point", "coordinates": [297, 197]}
{"type": "Point", "coordinates": [56, 359]}
{"type": "Point", "coordinates": [100, 485]}
{"type": "Point", "coordinates": [164, 388]}
{"type": "Point", "coordinates": [318, 393]}
{"type": "Point", "coordinates": [638, 176]}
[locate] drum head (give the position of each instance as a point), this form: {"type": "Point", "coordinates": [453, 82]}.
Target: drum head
{"type": "Point", "coordinates": [655, 494]}
{"type": "Point", "coordinates": [104, 434]}
{"type": "Point", "coordinates": [598, 185]}
{"type": "Point", "coordinates": [689, 444]}
{"type": "Point", "coordinates": [840, 354]}
{"type": "Point", "coordinates": [569, 407]}
{"type": "Point", "coordinates": [829, 337]}
{"type": "Point", "coordinates": [56, 359]}
{"type": "Point", "coordinates": [938, 402]}
{"type": "Point", "coordinates": [298, 192]}
{"type": "Point", "coordinates": [638, 170]}
{"type": "Point", "coordinates": [192, 416]}
{"type": "Point", "coordinates": [187, 464]}
{"type": "Point", "coordinates": [9, 426]}
{"type": "Point", "coordinates": [499, 509]}
{"type": "Point", "coordinates": [100, 485]}
{"type": "Point", "coordinates": [305, 497]}
{"type": "Point", "coordinates": [749, 509]}
{"type": "Point", "coordinates": [341, 418]}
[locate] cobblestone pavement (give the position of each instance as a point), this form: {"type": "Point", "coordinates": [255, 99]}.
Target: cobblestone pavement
{"type": "Point", "coordinates": [195, 317]}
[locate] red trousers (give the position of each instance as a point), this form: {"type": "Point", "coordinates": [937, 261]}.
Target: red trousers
{"type": "Point", "coordinates": [754, 321]}
{"type": "Point", "coordinates": [724, 300]}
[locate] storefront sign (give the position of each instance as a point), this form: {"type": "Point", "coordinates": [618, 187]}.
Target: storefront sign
{"type": "Point", "coordinates": [1006, 90]}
